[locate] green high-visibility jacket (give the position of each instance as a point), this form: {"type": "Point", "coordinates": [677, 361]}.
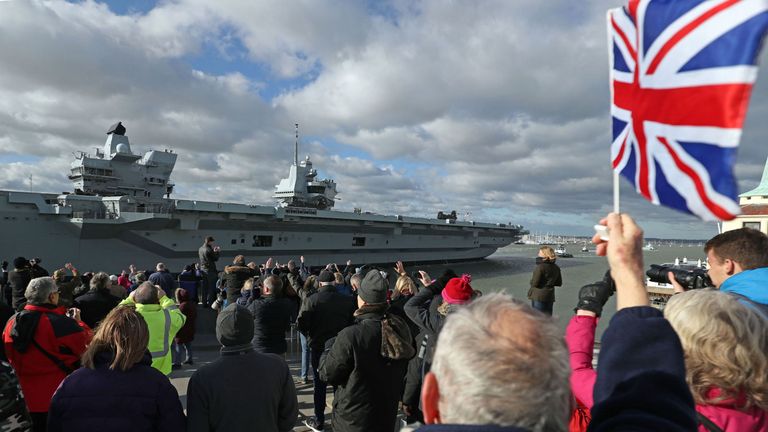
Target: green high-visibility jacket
{"type": "Point", "coordinates": [164, 321]}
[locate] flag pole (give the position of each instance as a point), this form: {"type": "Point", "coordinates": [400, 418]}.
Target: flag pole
{"type": "Point", "coordinates": [615, 191]}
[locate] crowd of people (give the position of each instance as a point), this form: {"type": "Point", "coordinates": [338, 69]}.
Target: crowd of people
{"type": "Point", "coordinates": [93, 351]}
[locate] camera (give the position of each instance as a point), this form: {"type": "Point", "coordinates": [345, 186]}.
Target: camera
{"type": "Point", "coordinates": [694, 278]}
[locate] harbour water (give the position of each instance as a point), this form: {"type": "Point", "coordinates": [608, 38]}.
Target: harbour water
{"type": "Point", "coordinates": [509, 270]}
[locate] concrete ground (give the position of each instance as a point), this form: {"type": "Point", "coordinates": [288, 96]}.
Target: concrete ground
{"type": "Point", "coordinates": [205, 349]}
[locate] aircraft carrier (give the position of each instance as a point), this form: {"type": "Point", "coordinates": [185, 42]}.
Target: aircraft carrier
{"type": "Point", "coordinates": [121, 213]}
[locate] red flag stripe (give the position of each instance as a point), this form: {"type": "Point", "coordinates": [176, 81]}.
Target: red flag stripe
{"type": "Point", "coordinates": [624, 38]}
{"type": "Point", "coordinates": [710, 105]}
{"type": "Point", "coordinates": [683, 32]}
{"type": "Point", "coordinates": [713, 207]}
{"type": "Point", "coordinates": [620, 156]}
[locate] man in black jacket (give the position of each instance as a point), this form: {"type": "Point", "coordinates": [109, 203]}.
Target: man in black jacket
{"type": "Point", "coordinates": [208, 255]}
{"type": "Point", "coordinates": [368, 362]}
{"type": "Point", "coordinates": [243, 390]}
{"type": "Point", "coordinates": [271, 317]}
{"type": "Point", "coordinates": [18, 279]}
{"type": "Point", "coordinates": [96, 304]}
{"type": "Point", "coordinates": [323, 315]}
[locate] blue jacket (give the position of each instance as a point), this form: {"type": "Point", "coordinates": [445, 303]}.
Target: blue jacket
{"type": "Point", "coordinates": [752, 284]}
{"type": "Point", "coordinates": [100, 399]}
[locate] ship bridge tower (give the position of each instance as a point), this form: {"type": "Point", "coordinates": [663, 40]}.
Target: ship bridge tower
{"type": "Point", "coordinates": [301, 188]}
{"type": "Point", "coordinates": [117, 171]}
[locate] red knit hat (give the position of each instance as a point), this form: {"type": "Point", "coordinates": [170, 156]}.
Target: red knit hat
{"type": "Point", "coordinates": [458, 290]}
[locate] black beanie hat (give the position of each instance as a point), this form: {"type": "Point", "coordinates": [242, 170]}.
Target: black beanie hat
{"type": "Point", "coordinates": [20, 262]}
{"type": "Point", "coordinates": [373, 288]}
{"type": "Point", "coordinates": [326, 276]}
{"type": "Point", "coordinates": [234, 325]}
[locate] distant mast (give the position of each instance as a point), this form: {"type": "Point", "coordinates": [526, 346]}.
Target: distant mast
{"type": "Point", "coordinates": [296, 147]}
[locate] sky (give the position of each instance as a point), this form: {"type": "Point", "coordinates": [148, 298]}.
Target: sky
{"type": "Point", "coordinates": [496, 109]}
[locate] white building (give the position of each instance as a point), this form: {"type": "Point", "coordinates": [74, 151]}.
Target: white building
{"type": "Point", "coordinates": [754, 208]}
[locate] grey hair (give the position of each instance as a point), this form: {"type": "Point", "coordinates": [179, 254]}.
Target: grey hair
{"type": "Point", "coordinates": [39, 289]}
{"type": "Point", "coordinates": [355, 279]}
{"type": "Point", "coordinates": [500, 362]}
{"type": "Point", "coordinates": [100, 281]}
{"type": "Point", "coordinates": [160, 266]}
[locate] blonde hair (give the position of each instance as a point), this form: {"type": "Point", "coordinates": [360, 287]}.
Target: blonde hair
{"type": "Point", "coordinates": [725, 344]}
{"type": "Point", "coordinates": [339, 278]}
{"type": "Point", "coordinates": [124, 333]}
{"type": "Point", "coordinates": [548, 253]}
{"type": "Point", "coordinates": [403, 283]}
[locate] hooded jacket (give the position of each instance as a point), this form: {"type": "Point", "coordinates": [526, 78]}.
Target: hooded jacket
{"type": "Point", "coordinates": [100, 399]}
{"type": "Point", "coordinates": [750, 284]}
{"type": "Point", "coordinates": [369, 385]}
{"type": "Point", "coordinates": [234, 278]}
{"type": "Point", "coordinates": [59, 335]}
{"type": "Point", "coordinates": [164, 321]}
{"type": "Point", "coordinates": [546, 276]}
{"type": "Point", "coordinates": [189, 308]}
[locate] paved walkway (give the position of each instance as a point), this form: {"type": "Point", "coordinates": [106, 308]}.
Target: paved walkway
{"type": "Point", "coordinates": [205, 349]}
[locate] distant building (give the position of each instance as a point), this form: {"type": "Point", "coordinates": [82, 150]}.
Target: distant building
{"type": "Point", "coordinates": [754, 208]}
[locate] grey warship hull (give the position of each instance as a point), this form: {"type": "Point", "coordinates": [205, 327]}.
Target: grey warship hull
{"type": "Point", "coordinates": [118, 233]}
{"type": "Point", "coordinates": [118, 216]}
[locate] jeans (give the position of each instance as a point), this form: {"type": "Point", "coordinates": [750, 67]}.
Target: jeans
{"type": "Point", "coordinates": [177, 349]}
{"type": "Point", "coordinates": [545, 307]}
{"type": "Point", "coordinates": [305, 357]}
{"type": "Point", "coordinates": [320, 387]}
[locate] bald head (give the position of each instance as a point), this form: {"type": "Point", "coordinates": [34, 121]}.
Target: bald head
{"type": "Point", "coordinates": [146, 293]}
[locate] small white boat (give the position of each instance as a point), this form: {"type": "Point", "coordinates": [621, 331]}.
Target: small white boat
{"type": "Point", "coordinates": [649, 247]}
{"type": "Point", "coordinates": [562, 253]}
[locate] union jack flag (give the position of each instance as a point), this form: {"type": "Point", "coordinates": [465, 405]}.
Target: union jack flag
{"type": "Point", "coordinates": [681, 75]}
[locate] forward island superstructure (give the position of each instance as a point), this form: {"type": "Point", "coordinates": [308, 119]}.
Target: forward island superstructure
{"type": "Point", "coordinates": [121, 212]}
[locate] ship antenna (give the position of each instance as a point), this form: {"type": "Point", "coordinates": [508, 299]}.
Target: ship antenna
{"type": "Point", "coordinates": [296, 147]}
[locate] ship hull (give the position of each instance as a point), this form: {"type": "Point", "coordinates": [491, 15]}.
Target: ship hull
{"type": "Point", "coordinates": [34, 225]}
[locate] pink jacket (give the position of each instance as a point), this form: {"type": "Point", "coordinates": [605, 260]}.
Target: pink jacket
{"type": "Point", "coordinates": [730, 419]}
{"type": "Point", "coordinates": [580, 337]}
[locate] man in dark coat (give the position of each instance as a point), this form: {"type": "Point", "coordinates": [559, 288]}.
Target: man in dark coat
{"type": "Point", "coordinates": [18, 279]}
{"type": "Point", "coordinates": [323, 315]}
{"type": "Point", "coordinates": [367, 363]}
{"type": "Point", "coordinates": [208, 255]}
{"type": "Point", "coordinates": [271, 317]}
{"type": "Point", "coordinates": [97, 303]}
{"type": "Point", "coordinates": [243, 390]}
{"type": "Point", "coordinates": [164, 279]}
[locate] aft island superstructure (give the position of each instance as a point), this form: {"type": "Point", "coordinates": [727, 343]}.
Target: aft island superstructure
{"type": "Point", "coordinates": [121, 213]}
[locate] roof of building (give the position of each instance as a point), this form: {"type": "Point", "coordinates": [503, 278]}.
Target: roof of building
{"type": "Point", "coordinates": [762, 188]}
